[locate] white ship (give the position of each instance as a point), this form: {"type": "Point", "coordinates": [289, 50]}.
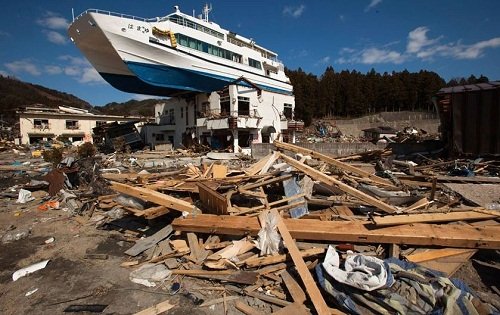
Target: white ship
{"type": "Point", "coordinates": [170, 55]}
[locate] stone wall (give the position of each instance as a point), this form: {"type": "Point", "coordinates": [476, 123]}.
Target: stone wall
{"type": "Point", "coordinates": [259, 150]}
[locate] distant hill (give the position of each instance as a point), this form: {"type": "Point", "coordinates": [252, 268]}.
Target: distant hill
{"type": "Point", "coordinates": [15, 93]}
{"type": "Point", "coordinates": [131, 108]}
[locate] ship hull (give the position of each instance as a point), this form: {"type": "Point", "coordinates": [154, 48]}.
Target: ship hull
{"type": "Point", "coordinates": [137, 62]}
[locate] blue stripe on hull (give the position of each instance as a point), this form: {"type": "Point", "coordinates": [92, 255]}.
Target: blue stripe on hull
{"type": "Point", "coordinates": [184, 79]}
{"type": "Point", "coordinates": [132, 84]}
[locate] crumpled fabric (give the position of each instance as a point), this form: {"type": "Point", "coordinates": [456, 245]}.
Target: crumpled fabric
{"type": "Point", "coordinates": [362, 272]}
{"type": "Point", "coordinates": [415, 290]}
{"type": "Point", "coordinates": [269, 239]}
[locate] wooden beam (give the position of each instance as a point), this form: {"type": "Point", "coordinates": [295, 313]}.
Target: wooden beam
{"type": "Point", "coordinates": [317, 175]}
{"type": "Point", "coordinates": [269, 260]}
{"type": "Point", "coordinates": [293, 287]}
{"type": "Point", "coordinates": [431, 218]}
{"type": "Point", "coordinates": [351, 231]}
{"type": "Point", "coordinates": [334, 162]}
{"type": "Point", "coordinates": [266, 182]}
{"type": "Point", "coordinates": [153, 196]}
{"type": "Point", "coordinates": [304, 273]}
{"type": "Point", "coordinates": [246, 309]}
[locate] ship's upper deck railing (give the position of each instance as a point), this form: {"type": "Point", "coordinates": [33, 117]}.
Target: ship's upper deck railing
{"type": "Point", "coordinates": [127, 16]}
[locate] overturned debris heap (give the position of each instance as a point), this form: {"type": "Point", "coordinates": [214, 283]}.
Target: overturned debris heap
{"type": "Point", "coordinates": [303, 232]}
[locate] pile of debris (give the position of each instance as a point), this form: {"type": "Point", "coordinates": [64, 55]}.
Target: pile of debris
{"type": "Point", "coordinates": [299, 231]}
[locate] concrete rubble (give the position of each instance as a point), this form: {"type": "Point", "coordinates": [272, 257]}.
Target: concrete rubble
{"type": "Point", "coordinates": [296, 231]}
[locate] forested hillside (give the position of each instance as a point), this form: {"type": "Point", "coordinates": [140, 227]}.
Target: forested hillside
{"type": "Point", "coordinates": [353, 94]}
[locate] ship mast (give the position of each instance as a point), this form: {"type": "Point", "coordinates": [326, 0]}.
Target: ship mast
{"type": "Point", "coordinates": [206, 9]}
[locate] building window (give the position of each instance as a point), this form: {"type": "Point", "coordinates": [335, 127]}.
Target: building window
{"type": "Point", "coordinates": [254, 63]}
{"type": "Point", "coordinates": [244, 138]}
{"type": "Point", "coordinates": [243, 106]}
{"type": "Point", "coordinates": [41, 124]}
{"type": "Point", "coordinates": [225, 104]}
{"type": "Point", "coordinates": [171, 117]}
{"type": "Point", "coordinates": [100, 123]}
{"type": "Point", "coordinates": [182, 112]}
{"type": "Point", "coordinates": [159, 137]}
{"type": "Point", "coordinates": [72, 124]}
{"type": "Point", "coordinates": [187, 116]}
{"type": "Point", "coordinates": [77, 138]}
{"type": "Point", "coordinates": [287, 111]}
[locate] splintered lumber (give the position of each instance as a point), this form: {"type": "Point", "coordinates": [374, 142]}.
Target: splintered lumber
{"type": "Point", "coordinates": [266, 182]}
{"type": "Point", "coordinates": [294, 308]}
{"type": "Point", "coordinates": [212, 201]}
{"type": "Point", "coordinates": [351, 231]}
{"type": "Point", "coordinates": [153, 196]}
{"type": "Point", "coordinates": [332, 161]}
{"type": "Point", "coordinates": [268, 298]}
{"type": "Point", "coordinates": [156, 309]}
{"type": "Point", "coordinates": [304, 273]}
{"type": "Point", "coordinates": [317, 175]}
{"type": "Point", "coordinates": [431, 218]}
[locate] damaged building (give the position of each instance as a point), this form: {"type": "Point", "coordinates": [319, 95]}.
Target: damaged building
{"type": "Point", "coordinates": [234, 117]}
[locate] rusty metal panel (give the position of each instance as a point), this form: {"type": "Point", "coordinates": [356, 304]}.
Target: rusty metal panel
{"type": "Point", "coordinates": [475, 118]}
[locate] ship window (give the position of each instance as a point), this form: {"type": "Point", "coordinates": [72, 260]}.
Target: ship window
{"type": "Point", "coordinates": [254, 63]}
{"type": "Point", "coordinates": [187, 41]}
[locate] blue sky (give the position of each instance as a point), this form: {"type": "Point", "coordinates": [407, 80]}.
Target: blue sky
{"type": "Point", "coordinates": [453, 38]}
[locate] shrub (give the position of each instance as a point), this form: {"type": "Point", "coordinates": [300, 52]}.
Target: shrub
{"type": "Point", "coordinates": [86, 150]}
{"type": "Point", "coordinates": [54, 156]}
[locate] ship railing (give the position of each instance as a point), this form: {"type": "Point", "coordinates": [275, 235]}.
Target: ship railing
{"type": "Point", "coordinates": [121, 15]}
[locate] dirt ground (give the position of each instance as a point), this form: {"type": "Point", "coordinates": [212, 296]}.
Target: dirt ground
{"type": "Point", "coordinates": [69, 278]}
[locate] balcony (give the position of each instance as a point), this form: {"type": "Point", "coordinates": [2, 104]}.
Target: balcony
{"type": "Point", "coordinates": [292, 125]}
{"type": "Point", "coordinates": [41, 127]}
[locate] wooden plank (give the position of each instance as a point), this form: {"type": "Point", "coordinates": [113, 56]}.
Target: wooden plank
{"type": "Point", "coordinates": [153, 196]}
{"type": "Point", "coordinates": [436, 254]}
{"type": "Point", "coordinates": [431, 218]}
{"type": "Point", "coordinates": [293, 287]}
{"type": "Point", "coordinates": [268, 298]}
{"type": "Point", "coordinates": [156, 309]}
{"type": "Point", "coordinates": [154, 212]}
{"type": "Point", "coordinates": [269, 260]}
{"type": "Point", "coordinates": [266, 182]}
{"type": "Point", "coordinates": [148, 242]}
{"type": "Point", "coordinates": [332, 181]}
{"type": "Point", "coordinates": [332, 161]}
{"type": "Point", "coordinates": [198, 254]}
{"type": "Point", "coordinates": [304, 273]}
{"type": "Point", "coordinates": [236, 276]}
{"type": "Point", "coordinates": [294, 308]}
{"type": "Point", "coordinates": [351, 231]}
{"type": "Point", "coordinates": [219, 171]}
{"type": "Point", "coordinates": [212, 201]}
{"type": "Point", "coordinates": [246, 309]}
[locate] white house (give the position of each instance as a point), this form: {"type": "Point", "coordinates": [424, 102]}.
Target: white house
{"type": "Point", "coordinates": [43, 123]}
{"type": "Point", "coordinates": [234, 117]}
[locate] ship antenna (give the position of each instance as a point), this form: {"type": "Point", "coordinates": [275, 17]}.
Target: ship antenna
{"type": "Point", "coordinates": [206, 9]}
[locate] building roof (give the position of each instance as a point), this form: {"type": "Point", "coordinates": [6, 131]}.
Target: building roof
{"type": "Point", "coordinates": [470, 87]}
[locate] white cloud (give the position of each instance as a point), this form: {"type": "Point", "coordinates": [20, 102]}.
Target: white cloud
{"type": "Point", "coordinates": [4, 34]}
{"type": "Point", "coordinates": [80, 69]}
{"type": "Point", "coordinates": [372, 4]}
{"type": "Point", "coordinates": [417, 39]}
{"type": "Point", "coordinates": [294, 11]}
{"type": "Point", "coordinates": [418, 46]}
{"type": "Point", "coordinates": [53, 69]}
{"type": "Point", "coordinates": [323, 61]}
{"type": "Point", "coordinates": [341, 18]}
{"type": "Point", "coordinates": [21, 66]}
{"type": "Point", "coordinates": [4, 73]}
{"type": "Point", "coordinates": [297, 54]}
{"type": "Point", "coordinates": [55, 37]}
{"type": "Point", "coordinates": [142, 97]}
{"type": "Point", "coordinates": [53, 21]}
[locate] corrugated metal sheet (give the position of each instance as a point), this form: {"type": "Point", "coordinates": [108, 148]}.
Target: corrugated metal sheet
{"type": "Point", "coordinates": [470, 118]}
